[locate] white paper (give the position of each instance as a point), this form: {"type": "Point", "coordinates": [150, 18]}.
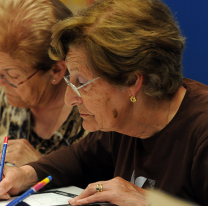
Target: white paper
{"type": "Point", "coordinates": [5, 202]}
{"type": "Point", "coordinates": [47, 199]}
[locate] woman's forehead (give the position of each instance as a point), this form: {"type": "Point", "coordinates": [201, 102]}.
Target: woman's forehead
{"type": "Point", "coordinates": [76, 60]}
{"type": "Point", "coordinates": [7, 62]}
{"type": "Point", "coordinates": [74, 64]}
{"type": "Point", "coordinates": [76, 55]}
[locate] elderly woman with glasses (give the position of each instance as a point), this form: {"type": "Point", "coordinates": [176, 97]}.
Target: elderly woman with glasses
{"type": "Point", "coordinates": [33, 113]}
{"type": "Point", "coordinates": [149, 125]}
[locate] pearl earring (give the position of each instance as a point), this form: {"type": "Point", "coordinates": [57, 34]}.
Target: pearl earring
{"type": "Point", "coordinates": [54, 80]}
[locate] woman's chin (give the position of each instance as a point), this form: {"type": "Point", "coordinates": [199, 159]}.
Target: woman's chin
{"type": "Point", "coordinates": [90, 126]}
{"type": "Point", "coordinates": [13, 103]}
{"type": "Point", "coordinates": [16, 103]}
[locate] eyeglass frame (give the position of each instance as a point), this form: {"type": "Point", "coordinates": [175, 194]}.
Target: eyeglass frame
{"type": "Point", "coordinates": [13, 85]}
{"type": "Point", "coordinates": [76, 89]}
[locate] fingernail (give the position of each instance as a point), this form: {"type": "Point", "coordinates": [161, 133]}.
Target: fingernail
{"type": "Point", "coordinates": [2, 191]}
{"type": "Point", "coordinates": [72, 202]}
{"type": "Point", "coordinates": [5, 197]}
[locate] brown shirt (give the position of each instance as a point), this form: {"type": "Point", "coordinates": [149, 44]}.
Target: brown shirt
{"type": "Point", "coordinates": [174, 160]}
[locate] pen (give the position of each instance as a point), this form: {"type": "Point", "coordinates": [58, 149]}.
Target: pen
{"type": "Point", "coordinates": [3, 156]}
{"type": "Point", "coordinates": [32, 190]}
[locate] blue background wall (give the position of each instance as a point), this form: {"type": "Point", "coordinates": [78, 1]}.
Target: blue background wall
{"type": "Point", "coordinates": [192, 16]}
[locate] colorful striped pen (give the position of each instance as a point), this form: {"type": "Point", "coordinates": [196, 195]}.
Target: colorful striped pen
{"type": "Point", "coordinates": [32, 190]}
{"type": "Point", "coordinates": [3, 156]}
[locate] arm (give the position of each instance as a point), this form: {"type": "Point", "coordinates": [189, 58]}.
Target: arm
{"type": "Point", "coordinates": [87, 161]}
{"type": "Point", "coordinates": [62, 165]}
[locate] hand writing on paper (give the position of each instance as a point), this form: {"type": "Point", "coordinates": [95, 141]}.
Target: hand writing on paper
{"type": "Point", "coordinates": [116, 191]}
{"type": "Point", "coordinates": [20, 152]}
{"type": "Point", "coordinates": [16, 180]}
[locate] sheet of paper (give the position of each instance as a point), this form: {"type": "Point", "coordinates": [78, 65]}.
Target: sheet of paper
{"type": "Point", "coordinates": [44, 199]}
{"type": "Point", "coordinates": [5, 202]}
{"type": "Point", "coordinates": [53, 197]}
{"type": "Point", "coordinates": [49, 198]}
{"type": "Point", "coordinates": [69, 189]}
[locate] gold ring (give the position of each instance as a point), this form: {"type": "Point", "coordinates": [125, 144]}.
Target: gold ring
{"type": "Point", "coordinates": [99, 188]}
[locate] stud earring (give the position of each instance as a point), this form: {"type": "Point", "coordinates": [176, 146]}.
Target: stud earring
{"type": "Point", "coordinates": [54, 80]}
{"type": "Point", "coordinates": [133, 99]}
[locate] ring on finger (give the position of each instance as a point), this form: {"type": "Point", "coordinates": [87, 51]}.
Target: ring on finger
{"type": "Point", "coordinates": [99, 188]}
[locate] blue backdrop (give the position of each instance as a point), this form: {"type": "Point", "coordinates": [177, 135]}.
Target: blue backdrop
{"type": "Point", "coordinates": [192, 16]}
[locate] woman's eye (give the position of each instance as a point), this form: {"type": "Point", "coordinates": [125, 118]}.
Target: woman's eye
{"type": "Point", "coordinates": [80, 81]}
{"type": "Point", "coordinates": [12, 74]}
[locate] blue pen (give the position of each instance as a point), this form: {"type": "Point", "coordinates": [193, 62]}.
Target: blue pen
{"type": "Point", "coordinates": [32, 190]}
{"type": "Point", "coordinates": [3, 156]}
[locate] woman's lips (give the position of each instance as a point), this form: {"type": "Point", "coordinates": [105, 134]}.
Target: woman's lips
{"type": "Point", "coordinates": [7, 94]}
{"type": "Point", "coordinates": [84, 115]}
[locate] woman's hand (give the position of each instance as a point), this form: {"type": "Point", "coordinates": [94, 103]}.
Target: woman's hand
{"type": "Point", "coordinates": [116, 191]}
{"type": "Point", "coordinates": [20, 152]}
{"type": "Point", "coordinates": [15, 180]}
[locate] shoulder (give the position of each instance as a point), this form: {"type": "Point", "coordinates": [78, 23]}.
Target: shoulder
{"type": "Point", "coordinates": [191, 120]}
{"type": "Point", "coordinates": [195, 101]}
{"type": "Point", "coordinates": [196, 90]}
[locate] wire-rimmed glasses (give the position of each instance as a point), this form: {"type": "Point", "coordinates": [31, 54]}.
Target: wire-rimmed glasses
{"type": "Point", "coordinates": [15, 85]}
{"type": "Point", "coordinates": [76, 89]}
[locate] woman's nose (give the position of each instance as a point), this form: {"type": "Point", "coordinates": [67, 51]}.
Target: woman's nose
{"type": "Point", "coordinates": [71, 98]}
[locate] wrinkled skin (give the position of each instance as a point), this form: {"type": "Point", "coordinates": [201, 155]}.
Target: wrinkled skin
{"type": "Point", "coordinates": [116, 191]}
{"type": "Point", "coordinates": [20, 152]}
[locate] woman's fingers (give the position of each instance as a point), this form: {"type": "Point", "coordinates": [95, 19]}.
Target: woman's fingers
{"type": "Point", "coordinates": [96, 197]}
{"type": "Point", "coordinates": [93, 198]}
{"type": "Point", "coordinates": [91, 189]}
{"type": "Point", "coordinates": [6, 196]}
{"type": "Point", "coordinates": [21, 152]}
{"type": "Point", "coordinates": [6, 184]}
{"type": "Point", "coordinates": [91, 194]}
{"type": "Point", "coordinates": [116, 191]}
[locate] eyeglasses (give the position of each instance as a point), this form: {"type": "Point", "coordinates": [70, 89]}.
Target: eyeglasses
{"type": "Point", "coordinates": [76, 89]}
{"type": "Point", "coordinates": [15, 85]}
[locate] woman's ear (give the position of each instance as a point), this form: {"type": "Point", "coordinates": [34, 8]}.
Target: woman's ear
{"type": "Point", "coordinates": [133, 90]}
{"type": "Point", "coordinates": [58, 71]}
